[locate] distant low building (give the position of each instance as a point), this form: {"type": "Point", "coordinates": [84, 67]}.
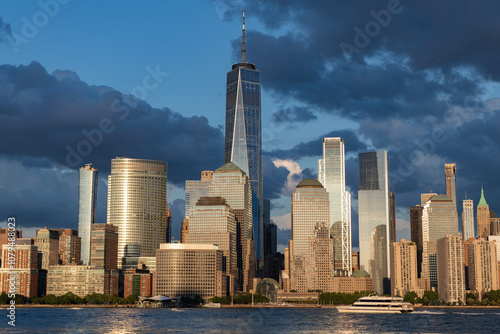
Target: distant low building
{"type": "Point", "coordinates": [137, 282]}
{"type": "Point", "coordinates": [81, 280]}
{"type": "Point", "coordinates": [189, 270]}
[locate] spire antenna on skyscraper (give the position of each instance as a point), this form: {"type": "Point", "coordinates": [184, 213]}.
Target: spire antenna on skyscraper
{"type": "Point", "coordinates": [243, 50]}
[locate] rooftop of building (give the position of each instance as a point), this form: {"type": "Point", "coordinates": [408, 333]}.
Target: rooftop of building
{"type": "Point", "coordinates": [309, 183]}
{"type": "Point", "coordinates": [360, 273]}
{"type": "Point", "coordinates": [208, 201]}
{"type": "Point", "coordinates": [441, 198]}
{"type": "Point", "coordinates": [482, 201]}
{"type": "Point", "coordinates": [229, 167]}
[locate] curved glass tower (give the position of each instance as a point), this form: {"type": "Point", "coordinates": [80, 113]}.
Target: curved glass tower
{"type": "Point", "coordinates": [137, 204]}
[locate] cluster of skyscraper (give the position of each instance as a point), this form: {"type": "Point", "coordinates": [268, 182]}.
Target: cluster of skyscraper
{"type": "Point", "coordinates": [227, 236]}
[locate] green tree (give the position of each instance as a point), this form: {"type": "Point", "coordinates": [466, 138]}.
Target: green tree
{"type": "Point", "coordinates": [411, 297]}
{"type": "Point", "coordinates": [4, 298]}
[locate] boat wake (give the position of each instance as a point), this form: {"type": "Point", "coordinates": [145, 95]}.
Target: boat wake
{"type": "Point", "coordinates": [429, 312]}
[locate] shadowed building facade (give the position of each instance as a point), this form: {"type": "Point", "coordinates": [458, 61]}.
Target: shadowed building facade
{"type": "Point", "coordinates": [137, 205]}
{"type": "Point", "coordinates": [450, 171]}
{"type": "Point", "coordinates": [416, 234]}
{"type": "Point", "coordinates": [195, 189]}
{"type": "Point", "coordinates": [374, 218]}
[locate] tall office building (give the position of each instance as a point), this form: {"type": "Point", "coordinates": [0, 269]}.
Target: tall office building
{"type": "Point", "coordinates": [137, 205]}
{"type": "Point", "coordinates": [69, 247]}
{"type": "Point", "coordinates": [311, 247]}
{"type": "Point", "coordinates": [243, 138]}
{"type": "Point", "coordinates": [195, 189]}
{"type": "Point", "coordinates": [374, 218]}
{"type": "Point", "coordinates": [331, 174]}
{"type": "Point", "coordinates": [403, 267]}
{"type": "Point", "coordinates": [232, 183]}
{"type": "Point", "coordinates": [494, 223]}
{"type": "Point", "coordinates": [47, 242]}
{"type": "Point", "coordinates": [439, 218]}
{"type": "Point", "coordinates": [468, 220]}
{"type": "Point", "coordinates": [483, 270]}
{"type": "Point", "coordinates": [416, 234]}
{"type": "Point", "coordinates": [213, 222]}
{"type": "Point", "coordinates": [451, 270]}
{"type": "Point", "coordinates": [104, 246]}
{"type": "Point", "coordinates": [483, 217]}
{"type": "Point", "coordinates": [392, 204]}
{"type": "Point", "coordinates": [87, 199]}
{"type": "Point", "coordinates": [450, 171]}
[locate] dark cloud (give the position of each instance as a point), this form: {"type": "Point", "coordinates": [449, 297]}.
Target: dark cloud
{"type": "Point", "coordinates": [70, 123]}
{"type": "Point", "coordinates": [282, 236]}
{"type": "Point", "coordinates": [314, 148]}
{"type": "Point", "coordinates": [273, 178]}
{"type": "Point", "coordinates": [5, 32]}
{"type": "Point", "coordinates": [177, 207]}
{"type": "Point", "coordinates": [293, 115]}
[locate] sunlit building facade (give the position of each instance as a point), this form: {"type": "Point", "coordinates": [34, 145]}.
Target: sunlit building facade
{"type": "Point", "coordinates": [195, 189]}
{"type": "Point", "coordinates": [331, 174]}
{"type": "Point", "coordinates": [87, 199]}
{"type": "Point", "coordinates": [483, 266]}
{"type": "Point", "coordinates": [439, 218]}
{"type": "Point", "coordinates": [483, 217]}
{"type": "Point", "coordinates": [374, 218]}
{"type": "Point", "coordinates": [311, 248]}
{"type": "Point", "coordinates": [451, 269]}
{"type": "Point", "coordinates": [468, 219]}
{"type": "Point", "coordinates": [137, 205]}
{"type": "Point", "coordinates": [243, 136]}
{"type": "Point", "coordinates": [213, 222]}
{"type": "Point", "coordinates": [403, 267]}
{"type": "Point", "coordinates": [189, 270]}
{"type": "Point", "coordinates": [232, 183]}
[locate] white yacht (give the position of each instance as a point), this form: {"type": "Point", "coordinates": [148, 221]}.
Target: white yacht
{"type": "Point", "coordinates": [376, 304]}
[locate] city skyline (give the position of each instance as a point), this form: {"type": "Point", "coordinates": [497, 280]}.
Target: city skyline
{"type": "Point", "coordinates": [464, 104]}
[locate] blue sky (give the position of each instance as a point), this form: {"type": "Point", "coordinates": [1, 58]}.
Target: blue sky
{"type": "Point", "coordinates": [427, 68]}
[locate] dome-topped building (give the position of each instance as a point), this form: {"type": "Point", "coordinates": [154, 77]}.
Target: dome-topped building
{"type": "Point", "coordinates": [309, 183]}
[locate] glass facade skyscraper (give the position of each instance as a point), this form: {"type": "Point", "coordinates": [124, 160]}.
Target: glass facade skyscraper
{"type": "Point", "coordinates": [374, 218]}
{"type": "Point", "coordinates": [243, 138]}
{"type": "Point", "coordinates": [137, 205]}
{"type": "Point", "coordinates": [331, 174]}
{"type": "Point", "coordinates": [87, 196]}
